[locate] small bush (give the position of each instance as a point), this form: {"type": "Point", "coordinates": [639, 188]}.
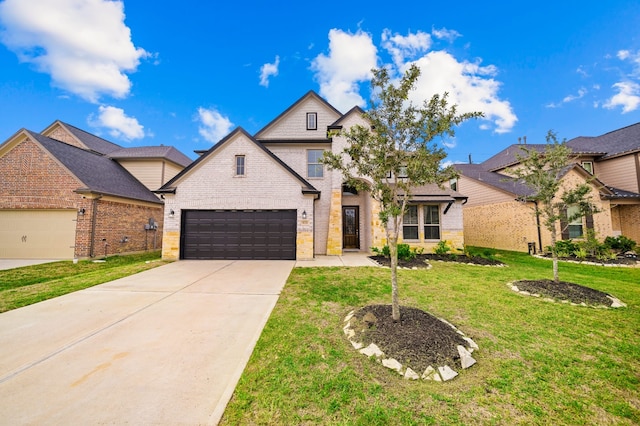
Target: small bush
{"type": "Point", "coordinates": [592, 246]}
{"type": "Point", "coordinates": [442, 248]}
{"type": "Point", "coordinates": [563, 248]}
{"type": "Point", "coordinates": [620, 243]}
{"type": "Point", "coordinates": [580, 254]}
{"type": "Point", "coordinates": [405, 252]}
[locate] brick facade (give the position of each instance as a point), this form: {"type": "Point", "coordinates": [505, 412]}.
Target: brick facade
{"type": "Point", "coordinates": [32, 179]}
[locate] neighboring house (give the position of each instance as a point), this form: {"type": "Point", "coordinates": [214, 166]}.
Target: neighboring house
{"type": "Point", "coordinates": [65, 193]}
{"type": "Point", "coordinates": [267, 196]}
{"type": "Point", "coordinates": [495, 217]}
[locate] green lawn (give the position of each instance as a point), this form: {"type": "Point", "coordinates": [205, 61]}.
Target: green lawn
{"type": "Point", "coordinates": [31, 284]}
{"type": "Point", "coordinates": [538, 363]}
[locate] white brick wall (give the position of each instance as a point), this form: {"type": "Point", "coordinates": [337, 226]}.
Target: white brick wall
{"type": "Point", "coordinates": [293, 125]}
{"type": "Point", "coordinates": [213, 185]}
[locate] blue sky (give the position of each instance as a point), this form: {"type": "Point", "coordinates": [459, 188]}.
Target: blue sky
{"type": "Point", "coordinates": [186, 73]}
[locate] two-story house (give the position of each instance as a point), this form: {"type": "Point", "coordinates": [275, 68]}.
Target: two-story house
{"type": "Point", "coordinates": [268, 196]}
{"type": "Point", "coordinates": [495, 216]}
{"type": "Point", "coordinates": [66, 193]}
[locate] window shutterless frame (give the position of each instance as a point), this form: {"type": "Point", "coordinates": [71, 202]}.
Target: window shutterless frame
{"type": "Point", "coordinates": [312, 121]}
{"type": "Point", "coordinates": [315, 169]}
{"type": "Point", "coordinates": [240, 165]}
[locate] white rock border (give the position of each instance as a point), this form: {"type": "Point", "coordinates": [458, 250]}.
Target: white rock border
{"type": "Point", "coordinates": [615, 302]}
{"type": "Point", "coordinates": [441, 373]}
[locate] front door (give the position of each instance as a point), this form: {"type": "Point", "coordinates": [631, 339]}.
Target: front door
{"type": "Point", "coordinates": [350, 228]}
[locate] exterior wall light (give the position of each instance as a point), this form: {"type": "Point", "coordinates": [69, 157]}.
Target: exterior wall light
{"type": "Point", "coordinates": [81, 212]}
{"type": "Point", "coordinates": [171, 213]}
{"type": "Point", "coordinates": [304, 214]}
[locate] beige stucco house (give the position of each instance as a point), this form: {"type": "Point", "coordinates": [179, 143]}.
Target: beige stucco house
{"type": "Point", "coordinates": [267, 196]}
{"type": "Point", "coordinates": [495, 217]}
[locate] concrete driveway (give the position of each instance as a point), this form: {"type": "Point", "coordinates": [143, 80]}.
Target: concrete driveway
{"type": "Point", "coordinates": [166, 346]}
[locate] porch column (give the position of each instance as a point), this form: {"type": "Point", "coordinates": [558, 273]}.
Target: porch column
{"type": "Point", "coordinates": [334, 237]}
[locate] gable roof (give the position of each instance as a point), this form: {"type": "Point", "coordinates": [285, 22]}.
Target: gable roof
{"type": "Point", "coordinates": [613, 144]}
{"type": "Point", "coordinates": [494, 179]}
{"type": "Point", "coordinates": [92, 142]}
{"type": "Point", "coordinates": [164, 152]}
{"type": "Point", "coordinates": [355, 110]}
{"type": "Point", "coordinates": [508, 156]}
{"type": "Point", "coordinates": [309, 94]}
{"type": "Point", "coordinates": [98, 173]}
{"type": "Point", "coordinates": [307, 188]}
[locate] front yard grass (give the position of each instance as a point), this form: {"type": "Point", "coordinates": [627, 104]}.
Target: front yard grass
{"type": "Point", "coordinates": [31, 284]}
{"type": "Point", "coordinates": [538, 363]}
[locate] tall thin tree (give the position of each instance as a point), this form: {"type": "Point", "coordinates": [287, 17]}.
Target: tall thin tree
{"type": "Point", "coordinates": [395, 152]}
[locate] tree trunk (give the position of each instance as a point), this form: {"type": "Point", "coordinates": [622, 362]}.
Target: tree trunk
{"type": "Point", "coordinates": [554, 255]}
{"type": "Point", "coordinates": [392, 237]}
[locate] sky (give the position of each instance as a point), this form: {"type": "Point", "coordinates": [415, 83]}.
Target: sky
{"type": "Point", "coordinates": [187, 73]}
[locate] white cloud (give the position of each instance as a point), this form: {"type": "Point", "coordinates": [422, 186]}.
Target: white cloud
{"type": "Point", "coordinates": [406, 47]}
{"type": "Point", "coordinates": [119, 125]}
{"type": "Point", "coordinates": [213, 125]}
{"type": "Point", "coordinates": [470, 86]}
{"type": "Point", "coordinates": [445, 34]}
{"type": "Point", "coordinates": [349, 62]}
{"type": "Point", "coordinates": [628, 97]}
{"type": "Point", "coordinates": [569, 98]}
{"type": "Point", "coordinates": [268, 70]}
{"type": "Point", "coordinates": [83, 44]}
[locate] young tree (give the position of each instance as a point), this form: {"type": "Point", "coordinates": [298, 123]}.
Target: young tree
{"type": "Point", "coordinates": [396, 153]}
{"type": "Point", "coordinates": [542, 172]}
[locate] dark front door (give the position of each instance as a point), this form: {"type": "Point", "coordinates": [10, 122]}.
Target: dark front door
{"type": "Point", "coordinates": [350, 228]}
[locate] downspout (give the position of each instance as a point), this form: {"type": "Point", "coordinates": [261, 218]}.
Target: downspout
{"type": "Point", "coordinates": [94, 214]}
{"type": "Point", "coordinates": [538, 226]}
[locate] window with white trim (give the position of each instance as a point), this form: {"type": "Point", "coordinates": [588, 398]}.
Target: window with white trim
{"type": "Point", "coordinates": [410, 223]}
{"type": "Point", "coordinates": [312, 121]}
{"type": "Point", "coordinates": [431, 222]}
{"type": "Point", "coordinates": [240, 165]}
{"type": "Point", "coordinates": [315, 168]}
{"type": "Point", "coordinates": [588, 166]}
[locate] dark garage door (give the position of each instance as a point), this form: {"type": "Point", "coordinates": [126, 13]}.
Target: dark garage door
{"type": "Point", "coordinates": [238, 234]}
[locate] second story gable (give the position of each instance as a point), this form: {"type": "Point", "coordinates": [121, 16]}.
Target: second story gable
{"type": "Point", "coordinates": [307, 119]}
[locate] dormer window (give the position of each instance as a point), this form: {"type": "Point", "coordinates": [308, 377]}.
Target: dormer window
{"type": "Point", "coordinates": [312, 121]}
{"type": "Point", "coordinates": [588, 166]}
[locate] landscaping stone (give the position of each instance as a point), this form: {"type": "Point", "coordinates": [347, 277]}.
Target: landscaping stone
{"type": "Point", "coordinates": [429, 374]}
{"type": "Point", "coordinates": [466, 360]}
{"type": "Point", "coordinates": [392, 364]}
{"type": "Point", "coordinates": [411, 375]}
{"type": "Point", "coordinates": [447, 373]}
{"type": "Point", "coordinates": [372, 350]}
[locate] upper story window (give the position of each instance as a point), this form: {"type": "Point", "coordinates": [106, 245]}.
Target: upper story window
{"type": "Point", "coordinates": [314, 167]}
{"type": "Point", "coordinates": [588, 166]}
{"type": "Point", "coordinates": [240, 165]}
{"type": "Point", "coordinates": [453, 184]}
{"type": "Point", "coordinates": [431, 222]}
{"type": "Point", "coordinates": [312, 121]}
{"type": "Point", "coordinates": [410, 223]}
{"type": "Point", "coordinates": [402, 172]}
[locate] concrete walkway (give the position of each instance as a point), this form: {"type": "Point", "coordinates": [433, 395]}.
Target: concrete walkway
{"type": "Point", "coordinates": [163, 347]}
{"type": "Point", "coordinates": [347, 259]}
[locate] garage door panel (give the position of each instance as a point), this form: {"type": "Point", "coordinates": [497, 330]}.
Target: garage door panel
{"type": "Point", "coordinates": [37, 234]}
{"type": "Point", "coordinates": [254, 234]}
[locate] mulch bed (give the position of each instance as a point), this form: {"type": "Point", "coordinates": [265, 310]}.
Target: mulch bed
{"type": "Point", "coordinates": [422, 260]}
{"type": "Point", "coordinates": [418, 340]}
{"type": "Point", "coordinates": [563, 290]}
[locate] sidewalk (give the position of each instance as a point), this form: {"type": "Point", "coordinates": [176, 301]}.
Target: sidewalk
{"type": "Point", "coordinates": [347, 259]}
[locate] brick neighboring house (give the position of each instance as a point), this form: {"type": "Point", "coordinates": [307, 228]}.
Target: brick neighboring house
{"type": "Point", "coordinates": [65, 193]}
{"type": "Point", "coordinates": [494, 217]}
{"type": "Point", "coordinates": [267, 196]}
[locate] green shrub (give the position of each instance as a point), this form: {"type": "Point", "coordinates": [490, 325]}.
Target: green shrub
{"type": "Point", "coordinates": [620, 243]}
{"type": "Point", "coordinates": [442, 248]}
{"type": "Point", "coordinates": [591, 244]}
{"type": "Point", "coordinates": [405, 252]}
{"type": "Point", "coordinates": [580, 254]}
{"type": "Point", "coordinates": [563, 248]}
